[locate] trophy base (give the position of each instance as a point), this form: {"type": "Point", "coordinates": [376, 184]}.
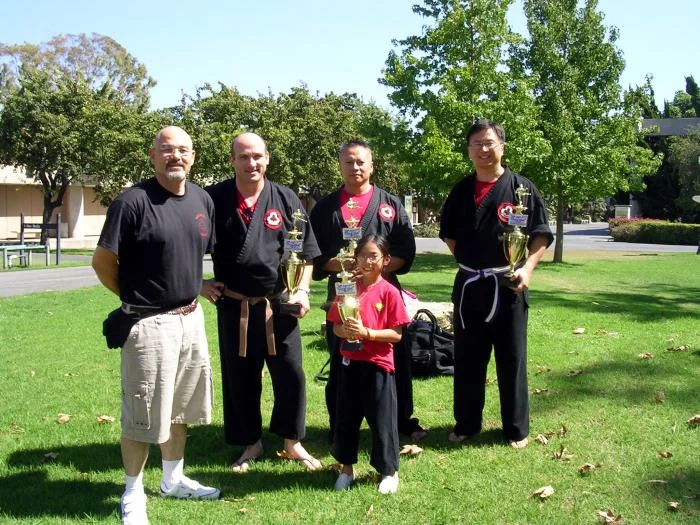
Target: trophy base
{"type": "Point", "coordinates": [504, 280]}
{"type": "Point", "coordinates": [351, 346]}
{"type": "Point", "coordinates": [290, 308]}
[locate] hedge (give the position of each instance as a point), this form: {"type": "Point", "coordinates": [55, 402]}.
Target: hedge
{"type": "Point", "coordinates": [650, 231]}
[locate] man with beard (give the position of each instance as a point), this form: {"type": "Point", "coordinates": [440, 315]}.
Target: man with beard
{"type": "Point", "coordinates": [150, 254]}
{"type": "Point", "coordinates": [253, 218]}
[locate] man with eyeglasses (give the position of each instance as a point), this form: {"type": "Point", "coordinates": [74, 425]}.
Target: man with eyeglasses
{"type": "Point", "coordinates": [490, 310]}
{"type": "Point", "coordinates": [360, 203]}
{"type": "Point", "coordinates": [150, 254]}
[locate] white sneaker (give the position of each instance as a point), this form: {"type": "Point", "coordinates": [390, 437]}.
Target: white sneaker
{"type": "Point", "coordinates": [344, 481]}
{"type": "Point", "coordinates": [389, 484]}
{"type": "Point", "coordinates": [133, 509]}
{"type": "Point", "coordinates": [189, 489]}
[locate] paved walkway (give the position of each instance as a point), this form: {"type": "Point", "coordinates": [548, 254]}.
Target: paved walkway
{"type": "Point", "coordinates": [576, 237]}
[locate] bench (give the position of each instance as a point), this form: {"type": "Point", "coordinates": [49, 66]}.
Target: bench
{"type": "Point", "coordinates": [22, 253]}
{"type": "Point", "coordinates": [586, 219]}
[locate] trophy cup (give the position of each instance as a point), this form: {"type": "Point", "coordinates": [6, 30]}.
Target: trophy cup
{"type": "Point", "coordinates": [349, 304]}
{"type": "Point", "coordinates": [515, 241]}
{"type": "Point", "coordinates": [293, 267]}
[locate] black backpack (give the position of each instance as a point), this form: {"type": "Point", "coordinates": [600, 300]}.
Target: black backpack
{"type": "Point", "coordinates": [432, 348]}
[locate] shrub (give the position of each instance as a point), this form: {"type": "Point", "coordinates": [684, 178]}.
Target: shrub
{"type": "Point", "coordinates": [654, 232]}
{"type": "Point", "coordinates": [428, 230]}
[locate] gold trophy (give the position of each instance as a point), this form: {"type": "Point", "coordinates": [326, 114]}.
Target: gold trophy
{"type": "Point", "coordinates": [293, 267]}
{"type": "Point", "coordinates": [349, 305]}
{"type": "Point", "coordinates": [515, 241]}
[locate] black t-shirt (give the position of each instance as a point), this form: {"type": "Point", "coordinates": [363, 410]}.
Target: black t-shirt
{"type": "Point", "coordinates": [160, 240]}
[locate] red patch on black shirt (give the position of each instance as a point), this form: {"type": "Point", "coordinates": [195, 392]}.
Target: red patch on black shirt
{"type": "Point", "coordinates": [504, 211]}
{"type": "Point", "coordinates": [273, 219]}
{"type": "Point", "coordinates": [201, 220]}
{"type": "Point", "coordinates": [387, 212]}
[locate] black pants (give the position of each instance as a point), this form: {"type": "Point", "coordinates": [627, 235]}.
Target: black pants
{"type": "Point", "coordinates": [367, 391]}
{"type": "Point", "coordinates": [404, 384]}
{"type": "Point", "coordinates": [242, 376]}
{"type": "Point", "coordinates": [507, 334]}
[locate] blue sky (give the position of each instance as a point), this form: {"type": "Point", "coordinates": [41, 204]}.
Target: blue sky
{"type": "Point", "coordinates": [328, 45]}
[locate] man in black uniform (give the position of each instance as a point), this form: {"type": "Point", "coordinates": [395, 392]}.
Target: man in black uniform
{"type": "Point", "coordinates": [474, 218]}
{"type": "Point", "coordinates": [376, 212]}
{"type": "Point", "coordinates": [253, 218]}
{"type": "Point", "coordinates": [150, 254]}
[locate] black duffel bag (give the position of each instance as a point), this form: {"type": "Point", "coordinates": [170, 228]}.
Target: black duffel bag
{"type": "Point", "coordinates": [432, 348]}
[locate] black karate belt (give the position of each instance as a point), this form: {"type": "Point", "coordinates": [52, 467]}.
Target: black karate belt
{"type": "Point", "coordinates": [474, 275]}
{"type": "Point", "coordinates": [243, 323]}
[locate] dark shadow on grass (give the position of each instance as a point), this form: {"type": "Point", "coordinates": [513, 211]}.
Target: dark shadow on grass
{"type": "Point", "coordinates": [630, 381]}
{"type": "Point", "coordinates": [679, 484]}
{"type": "Point", "coordinates": [650, 303]}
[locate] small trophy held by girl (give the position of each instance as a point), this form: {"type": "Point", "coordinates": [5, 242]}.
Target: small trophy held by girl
{"type": "Point", "coordinates": [366, 383]}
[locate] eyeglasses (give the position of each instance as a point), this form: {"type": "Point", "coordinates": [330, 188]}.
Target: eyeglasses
{"type": "Point", "coordinates": [489, 144]}
{"type": "Point", "coordinates": [369, 258]}
{"type": "Point", "coordinates": [169, 151]}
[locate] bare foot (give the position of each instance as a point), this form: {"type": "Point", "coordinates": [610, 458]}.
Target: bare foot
{"type": "Point", "coordinates": [250, 454]}
{"type": "Point", "coordinates": [519, 444]}
{"type": "Point", "coordinates": [294, 450]}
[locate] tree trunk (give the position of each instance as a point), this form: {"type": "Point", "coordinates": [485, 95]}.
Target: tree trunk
{"type": "Point", "coordinates": [50, 206]}
{"type": "Point", "coordinates": [559, 241]}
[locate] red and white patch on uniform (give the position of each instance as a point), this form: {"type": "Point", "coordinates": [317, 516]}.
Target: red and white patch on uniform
{"type": "Point", "coordinates": [273, 219]}
{"type": "Point", "coordinates": [387, 212]}
{"type": "Point", "coordinates": [504, 211]}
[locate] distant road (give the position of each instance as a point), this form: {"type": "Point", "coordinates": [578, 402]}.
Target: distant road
{"type": "Point", "coordinates": [576, 237]}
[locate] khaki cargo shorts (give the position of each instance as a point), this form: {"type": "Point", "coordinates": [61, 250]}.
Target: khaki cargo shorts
{"type": "Point", "coordinates": [165, 376]}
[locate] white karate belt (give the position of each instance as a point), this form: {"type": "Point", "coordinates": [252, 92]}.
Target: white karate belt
{"type": "Point", "coordinates": [474, 275]}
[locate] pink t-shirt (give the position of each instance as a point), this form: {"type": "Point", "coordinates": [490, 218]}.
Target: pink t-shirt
{"type": "Point", "coordinates": [360, 204]}
{"type": "Point", "coordinates": [381, 307]}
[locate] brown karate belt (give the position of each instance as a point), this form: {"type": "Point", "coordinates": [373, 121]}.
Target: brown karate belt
{"type": "Point", "coordinates": [243, 323]}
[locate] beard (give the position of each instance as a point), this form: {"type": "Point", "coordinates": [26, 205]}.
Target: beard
{"type": "Point", "coordinates": [176, 176]}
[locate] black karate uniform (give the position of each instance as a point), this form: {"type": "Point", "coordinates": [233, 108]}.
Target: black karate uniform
{"type": "Point", "coordinates": [478, 232]}
{"type": "Point", "coordinates": [247, 260]}
{"type": "Point", "coordinates": [328, 223]}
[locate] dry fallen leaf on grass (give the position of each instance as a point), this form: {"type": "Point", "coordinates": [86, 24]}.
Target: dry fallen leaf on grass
{"type": "Point", "coordinates": [674, 505]}
{"type": "Point", "coordinates": [70, 374]}
{"type": "Point", "coordinates": [243, 511]}
{"type": "Point", "coordinates": [646, 355]}
{"type": "Point", "coordinates": [50, 456]}
{"type": "Point", "coordinates": [660, 397]}
{"type": "Point", "coordinates": [411, 450]}
{"type": "Point", "coordinates": [608, 516]}
{"type": "Point", "coordinates": [587, 468]}
{"type": "Point", "coordinates": [62, 419]}
{"type": "Point", "coordinates": [561, 432]}
{"type": "Point", "coordinates": [542, 439]}
{"type": "Point", "coordinates": [574, 373]}
{"type": "Point", "coordinates": [681, 348]}
{"type": "Point", "coordinates": [490, 381]}
{"type": "Point", "coordinates": [105, 419]}
{"type": "Point", "coordinates": [665, 454]}
{"type": "Point", "coordinates": [542, 370]}
{"type": "Point", "coordinates": [562, 454]}
{"type": "Point", "coordinates": [543, 492]}
{"type": "Point", "coordinates": [32, 373]}
{"type": "Point", "coordinates": [369, 512]}
{"type": "Point", "coordinates": [540, 391]}
{"type": "Point", "coordinates": [579, 331]}
{"type": "Point", "coordinates": [662, 481]}
{"type": "Point", "coordinates": [694, 421]}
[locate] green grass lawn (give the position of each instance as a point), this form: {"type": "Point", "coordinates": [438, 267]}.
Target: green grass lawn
{"type": "Point", "coordinates": [591, 393]}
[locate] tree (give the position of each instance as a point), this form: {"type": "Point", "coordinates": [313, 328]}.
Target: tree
{"type": "Point", "coordinates": [60, 132]}
{"type": "Point", "coordinates": [97, 59]}
{"type": "Point", "coordinates": [460, 69]}
{"type": "Point", "coordinates": [684, 157]}
{"type": "Point", "coordinates": [641, 99]}
{"type": "Point", "coordinates": [594, 148]}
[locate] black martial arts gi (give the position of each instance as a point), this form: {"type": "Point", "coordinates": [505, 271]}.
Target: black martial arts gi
{"type": "Point", "coordinates": [247, 260]}
{"type": "Point", "coordinates": [327, 221]}
{"type": "Point", "coordinates": [486, 314]}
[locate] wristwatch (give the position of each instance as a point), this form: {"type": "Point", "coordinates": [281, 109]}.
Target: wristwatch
{"type": "Point", "coordinates": [307, 291]}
